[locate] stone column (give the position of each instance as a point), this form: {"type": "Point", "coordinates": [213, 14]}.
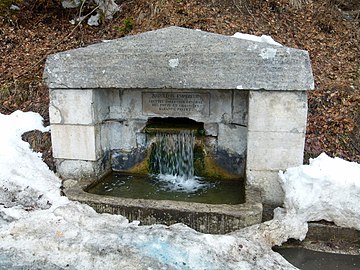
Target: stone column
{"type": "Point", "coordinates": [276, 137]}
{"type": "Point", "coordinates": [75, 121]}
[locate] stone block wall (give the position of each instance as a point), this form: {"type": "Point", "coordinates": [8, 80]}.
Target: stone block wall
{"type": "Point", "coordinates": [89, 127]}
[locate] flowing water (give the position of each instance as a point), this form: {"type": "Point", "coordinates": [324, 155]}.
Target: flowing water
{"type": "Point", "coordinates": [174, 154]}
{"type": "Point", "coordinates": [173, 162]}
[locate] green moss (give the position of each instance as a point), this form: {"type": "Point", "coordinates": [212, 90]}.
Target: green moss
{"type": "Point", "coordinates": [199, 164]}
{"type": "Point", "coordinates": [4, 92]}
{"type": "Point", "coordinates": [127, 25]}
{"type": "Point", "coordinates": [204, 166]}
{"type": "Point", "coordinates": [213, 170]}
{"type": "Point", "coordinates": [142, 167]}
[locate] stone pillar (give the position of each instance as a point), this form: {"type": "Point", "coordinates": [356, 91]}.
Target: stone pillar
{"type": "Point", "coordinates": [276, 137]}
{"type": "Point", "coordinates": [75, 121]}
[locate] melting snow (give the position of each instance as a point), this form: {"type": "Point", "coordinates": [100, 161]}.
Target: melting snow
{"type": "Point", "coordinates": [268, 53]}
{"type": "Point", "coordinates": [43, 230]}
{"type": "Point", "coordinates": [173, 63]}
{"type": "Point", "coordinates": [263, 38]}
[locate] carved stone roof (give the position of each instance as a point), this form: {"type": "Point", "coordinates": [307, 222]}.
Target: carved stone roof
{"type": "Point", "coordinates": [180, 58]}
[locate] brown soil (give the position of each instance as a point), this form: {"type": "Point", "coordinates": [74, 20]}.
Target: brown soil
{"type": "Point", "coordinates": [328, 29]}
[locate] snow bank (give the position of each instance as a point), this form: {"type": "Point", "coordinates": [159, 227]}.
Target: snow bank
{"type": "Point", "coordinates": [26, 183]}
{"type": "Point", "coordinates": [40, 229]}
{"type": "Point", "coordinates": [327, 188]}
{"type": "Point", "coordinates": [75, 236]}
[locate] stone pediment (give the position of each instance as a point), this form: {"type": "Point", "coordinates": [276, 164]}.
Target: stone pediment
{"type": "Point", "coordinates": [180, 58]}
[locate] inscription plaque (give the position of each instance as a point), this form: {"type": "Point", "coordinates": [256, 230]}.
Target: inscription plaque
{"type": "Point", "coordinates": [175, 103]}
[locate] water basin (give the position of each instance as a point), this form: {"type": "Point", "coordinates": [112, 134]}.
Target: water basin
{"type": "Point", "coordinates": [215, 217]}
{"type": "Point", "coordinates": [209, 191]}
{"type": "Point", "coordinates": [171, 192]}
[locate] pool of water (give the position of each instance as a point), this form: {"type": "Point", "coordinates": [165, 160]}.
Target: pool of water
{"type": "Point", "coordinates": [316, 260]}
{"type": "Point", "coordinates": [152, 187]}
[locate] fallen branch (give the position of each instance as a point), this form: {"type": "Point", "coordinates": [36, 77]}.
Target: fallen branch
{"type": "Point", "coordinates": [247, 9]}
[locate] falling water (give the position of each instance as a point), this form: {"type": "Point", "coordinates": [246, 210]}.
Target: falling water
{"type": "Point", "coordinates": [174, 154]}
{"type": "Point", "coordinates": [174, 160]}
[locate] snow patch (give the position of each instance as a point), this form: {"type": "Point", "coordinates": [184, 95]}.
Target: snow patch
{"type": "Point", "coordinates": [107, 8]}
{"type": "Point", "coordinates": [70, 3]}
{"type": "Point", "coordinates": [268, 53]}
{"type": "Point", "coordinates": [173, 63]}
{"type": "Point", "coordinates": [252, 47]}
{"type": "Point", "coordinates": [94, 20]}
{"type": "Point", "coordinates": [263, 38]}
{"type": "Point", "coordinates": [22, 175]}
{"type": "Point", "coordinates": [328, 188]}
{"type": "Point", "coordinates": [14, 7]}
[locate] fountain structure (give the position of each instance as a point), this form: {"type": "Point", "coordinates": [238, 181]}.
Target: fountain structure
{"type": "Point", "coordinates": [243, 103]}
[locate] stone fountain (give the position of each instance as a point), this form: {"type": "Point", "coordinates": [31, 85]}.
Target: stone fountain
{"type": "Point", "coordinates": [245, 100]}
